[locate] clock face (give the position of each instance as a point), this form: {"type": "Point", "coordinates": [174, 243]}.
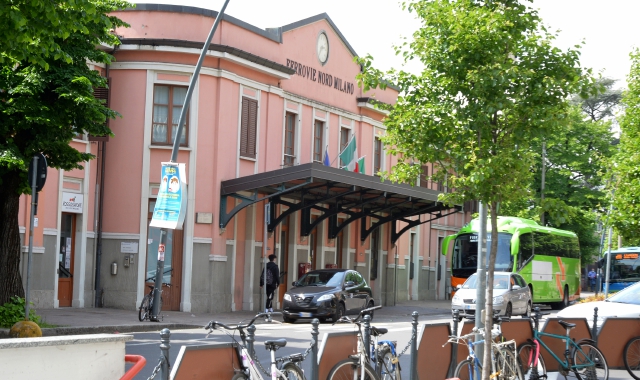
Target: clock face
{"type": "Point", "coordinates": [323, 48]}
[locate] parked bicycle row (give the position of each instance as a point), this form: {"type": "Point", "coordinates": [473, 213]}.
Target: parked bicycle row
{"type": "Point", "coordinates": [374, 359]}
{"type": "Point", "coordinates": [364, 351]}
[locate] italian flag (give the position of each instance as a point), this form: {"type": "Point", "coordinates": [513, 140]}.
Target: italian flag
{"type": "Point", "coordinates": [348, 155]}
{"type": "Point", "coordinates": [360, 166]}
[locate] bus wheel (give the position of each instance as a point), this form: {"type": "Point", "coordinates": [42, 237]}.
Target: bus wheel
{"type": "Point", "coordinates": [565, 300]}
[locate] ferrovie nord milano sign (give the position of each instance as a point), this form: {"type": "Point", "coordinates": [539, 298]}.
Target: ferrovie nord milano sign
{"type": "Point", "coordinates": [171, 203]}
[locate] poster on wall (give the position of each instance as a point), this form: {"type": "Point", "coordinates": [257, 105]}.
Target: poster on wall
{"type": "Point", "coordinates": [171, 203]}
{"type": "Point", "coordinates": [67, 255]}
{"type": "Point", "coordinates": [72, 202]}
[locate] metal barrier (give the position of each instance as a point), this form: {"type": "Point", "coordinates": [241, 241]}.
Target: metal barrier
{"type": "Point", "coordinates": [613, 337]}
{"type": "Point", "coordinates": [139, 363]}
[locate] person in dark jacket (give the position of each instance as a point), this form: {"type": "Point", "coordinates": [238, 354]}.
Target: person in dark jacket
{"type": "Point", "coordinates": [273, 281]}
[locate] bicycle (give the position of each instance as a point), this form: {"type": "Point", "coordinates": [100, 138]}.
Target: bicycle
{"type": "Point", "coordinates": [283, 368]}
{"type": "Point", "coordinates": [146, 306]}
{"type": "Point", "coordinates": [582, 358]}
{"type": "Point", "coordinates": [387, 362]}
{"type": "Point", "coordinates": [356, 366]}
{"type": "Point", "coordinates": [631, 357]}
{"type": "Point", "coordinates": [504, 364]}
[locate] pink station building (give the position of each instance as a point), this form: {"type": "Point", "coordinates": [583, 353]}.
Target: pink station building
{"type": "Point", "coordinates": [267, 105]}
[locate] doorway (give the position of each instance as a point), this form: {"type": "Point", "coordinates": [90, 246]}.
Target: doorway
{"type": "Point", "coordinates": [66, 259]}
{"type": "Point", "coordinates": [172, 278]}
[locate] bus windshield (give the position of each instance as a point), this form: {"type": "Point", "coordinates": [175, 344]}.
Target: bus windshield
{"type": "Point", "coordinates": [625, 267]}
{"type": "Point", "coordinates": [465, 254]}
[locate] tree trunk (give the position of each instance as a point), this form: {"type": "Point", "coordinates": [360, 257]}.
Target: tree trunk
{"type": "Point", "coordinates": [488, 320]}
{"type": "Point", "coordinates": [10, 279]}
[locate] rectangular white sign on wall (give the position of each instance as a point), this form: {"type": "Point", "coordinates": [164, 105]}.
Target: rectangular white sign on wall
{"type": "Point", "coordinates": [128, 247]}
{"type": "Point", "coordinates": [72, 202]}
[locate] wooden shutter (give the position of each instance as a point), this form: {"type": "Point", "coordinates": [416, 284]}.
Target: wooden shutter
{"type": "Point", "coordinates": [244, 127]}
{"type": "Point", "coordinates": [102, 93]}
{"type": "Point", "coordinates": [248, 128]}
{"type": "Point", "coordinates": [252, 133]}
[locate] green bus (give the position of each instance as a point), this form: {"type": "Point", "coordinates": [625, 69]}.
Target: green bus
{"type": "Point", "coordinates": [547, 258]}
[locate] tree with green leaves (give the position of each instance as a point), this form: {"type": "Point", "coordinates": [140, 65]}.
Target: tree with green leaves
{"type": "Point", "coordinates": [626, 214]}
{"type": "Point", "coordinates": [492, 83]}
{"type": "Point", "coordinates": [47, 99]}
{"type": "Point", "coordinates": [576, 160]}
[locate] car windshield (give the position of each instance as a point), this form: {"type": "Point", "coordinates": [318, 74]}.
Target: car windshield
{"type": "Point", "coordinates": [499, 282]}
{"type": "Point", "coordinates": [321, 279]}
{"type": "Point", "coordinates": [628, 295]}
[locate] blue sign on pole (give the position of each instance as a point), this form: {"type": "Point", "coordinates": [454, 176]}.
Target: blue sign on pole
{"type": "Point", "coordinates": [171, 203]}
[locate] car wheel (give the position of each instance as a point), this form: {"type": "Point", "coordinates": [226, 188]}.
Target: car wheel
{"type": "Point", "coordinates": [322, 320]}
{"type": "Point", "coordinates": [507, 312]}
{"type": "Point", "coordinates": [339, 313]}
{"type": "Point", "coordinates": [287, 319]}
{"type": "Point", "coordinates": [527, 313]}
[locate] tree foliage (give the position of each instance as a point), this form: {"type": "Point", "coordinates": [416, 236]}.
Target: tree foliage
{"type": "Point", "coordinates": [577, 157]}
{"type": "Point", "coordinates": [626, 215]}
{"type": "Point", "coordinates": [33, 31]}
{"type": "Point", "coordinates": [47, 99]}
{"type": "Point", "coordinates": [492, 83]}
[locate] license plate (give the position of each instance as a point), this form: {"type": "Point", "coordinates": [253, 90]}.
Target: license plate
{"type": "Point", "coordinates": [304, 315]}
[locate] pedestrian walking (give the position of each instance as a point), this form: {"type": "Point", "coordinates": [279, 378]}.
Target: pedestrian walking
{"type": "Point", "coordinates": [272, 282]}
{"type": "Point", "coordinates": [592, 279]}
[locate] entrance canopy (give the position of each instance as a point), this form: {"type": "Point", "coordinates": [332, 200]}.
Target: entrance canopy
{"type": "Point", "coordinates": [333, 192]}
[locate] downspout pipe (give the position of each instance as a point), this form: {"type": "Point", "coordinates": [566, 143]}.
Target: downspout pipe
{"type": "Point", "coordinates": [103, 149]}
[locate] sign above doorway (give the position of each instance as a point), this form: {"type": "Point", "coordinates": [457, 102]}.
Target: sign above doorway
{"type": "Point", "coordinates": [72, 202]}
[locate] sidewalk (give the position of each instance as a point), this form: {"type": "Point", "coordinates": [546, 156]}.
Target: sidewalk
{"type": "Point", "coordinates": [72, 321]}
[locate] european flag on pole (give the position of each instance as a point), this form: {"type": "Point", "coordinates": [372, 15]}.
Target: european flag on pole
{"type": "Point", "coordinates": [325, 160]}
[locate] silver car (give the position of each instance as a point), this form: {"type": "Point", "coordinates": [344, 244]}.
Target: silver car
{"type": "Point", "coordinates": [511, 296]}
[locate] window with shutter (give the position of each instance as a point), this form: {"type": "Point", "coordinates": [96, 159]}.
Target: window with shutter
{"type": "Point", "coordinates": [167, 106]}
{"type": "Point", "coordinates": [248, 127]}
{"type": "Point", "coordinates": [318, 140]}
{"type": "Point", "coordinates": [424, 182]}
{"type": "Point", "coordinates": [289, 139]}
{"type": "Point", "coordinates": [101, 93]}
{"type": "Point", "coordinates": [377, 156]}
{"type": "Point", "coordinates": [344, 140]}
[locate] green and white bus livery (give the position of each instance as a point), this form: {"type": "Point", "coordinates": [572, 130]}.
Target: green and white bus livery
{"type": "Point", "coordinates": [547, 258]}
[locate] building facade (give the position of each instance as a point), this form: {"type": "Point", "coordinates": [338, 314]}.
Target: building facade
{"type": "Point", "coordinates": [267, 106]}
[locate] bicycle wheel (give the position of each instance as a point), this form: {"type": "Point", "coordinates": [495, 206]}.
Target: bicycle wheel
{"type": "Point", "coordinates": [349, 369]}
{"type": "Point", "coordinates": [586, 354]}
{"type": "Point", "coordinates": [526, 367]}
{"type": "Point", "coordinates": [143, 312]}
{"type": "Point", "coordinates": [386, 368]}
{"type": "Point", "coordinates": [292, 372]}
{"type": "Point", "coordinates": [240, 376]}
{"type": "Point", "coordinates": [465, 370]}
{"type": "Point", "coordinates": [508, 366]}
{"type": "Point", "coordinates": [631, 357]}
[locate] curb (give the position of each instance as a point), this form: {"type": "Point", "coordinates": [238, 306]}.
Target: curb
{"type": "Point", "coordinates": [57, 331]}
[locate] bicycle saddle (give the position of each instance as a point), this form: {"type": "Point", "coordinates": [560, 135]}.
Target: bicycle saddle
{"type": "Point", "coordinates": [272, 344]}
{"type": "Point", "coordinates": [377, 331]}
{"type": "Point", "coordinates": [567, 325]}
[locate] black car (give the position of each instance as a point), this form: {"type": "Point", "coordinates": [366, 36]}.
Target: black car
{"type": "Point", "coordinates": [327, 293]}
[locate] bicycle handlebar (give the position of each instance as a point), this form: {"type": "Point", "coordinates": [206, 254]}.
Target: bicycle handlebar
{"type": "Point", "coordinates": [213, 324]}
{"type": "Point", "coordinates": [346, 319]}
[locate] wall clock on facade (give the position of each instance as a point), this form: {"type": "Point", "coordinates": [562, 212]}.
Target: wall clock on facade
{"type": "Point", "coordinates": [323, 48]}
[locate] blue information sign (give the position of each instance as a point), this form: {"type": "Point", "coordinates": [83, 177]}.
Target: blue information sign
{"type": "Point", "coordinates": [171, 203]}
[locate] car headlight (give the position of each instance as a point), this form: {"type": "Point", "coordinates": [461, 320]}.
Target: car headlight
{"type": "Point", "coordinates": [455, 299]}
{"type": "Point", "coordinates": [498, 299]}
{"type": "Point", "coordinates": [287, 297]}
{"type": "Point", "coordinates": [326, 297]}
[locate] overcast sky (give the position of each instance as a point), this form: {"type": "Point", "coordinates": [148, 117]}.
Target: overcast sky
{"type": "Point", "coordinates": [374, 26]}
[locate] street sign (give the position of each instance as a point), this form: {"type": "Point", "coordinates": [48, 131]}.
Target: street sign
{"type": "Point", "coordinates": [41, 171]}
